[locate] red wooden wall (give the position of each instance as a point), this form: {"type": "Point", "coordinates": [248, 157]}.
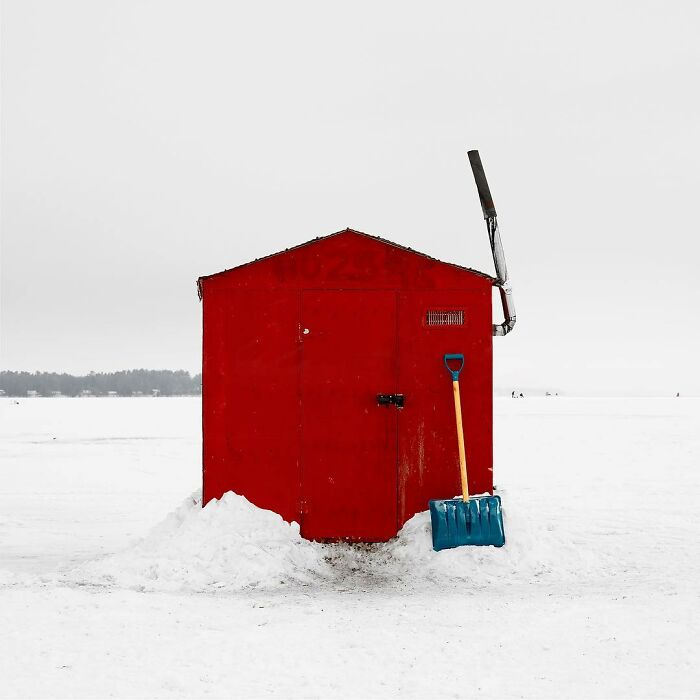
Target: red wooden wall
{"type": "Point", "coordinates": [296, 347]}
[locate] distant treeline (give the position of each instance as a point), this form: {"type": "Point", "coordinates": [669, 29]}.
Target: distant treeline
{"type": "Point", "coordinates": [132, 382]}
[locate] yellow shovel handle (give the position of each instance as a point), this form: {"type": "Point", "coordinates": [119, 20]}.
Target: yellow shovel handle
{"type": "Point", "coordinates": [460, 442]}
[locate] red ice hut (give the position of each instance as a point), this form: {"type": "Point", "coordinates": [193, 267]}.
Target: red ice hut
{"type": "Point", "coordinates": [325, 396]}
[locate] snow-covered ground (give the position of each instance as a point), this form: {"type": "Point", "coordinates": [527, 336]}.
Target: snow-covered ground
{"type": "Point", "coordinates": [596, 593]}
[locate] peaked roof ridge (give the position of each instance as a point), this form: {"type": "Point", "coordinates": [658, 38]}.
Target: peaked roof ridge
{"type": "Point", "coordinates": [411, 250]}
{"type": "Point", "coordinates": [347, 230]}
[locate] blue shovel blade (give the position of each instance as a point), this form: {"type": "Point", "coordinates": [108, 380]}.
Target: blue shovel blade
{"type": "Point", "coordinates": [479, 521]}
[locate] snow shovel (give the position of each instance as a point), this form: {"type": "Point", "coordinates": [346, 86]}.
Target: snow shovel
{"type": "Point", "coordinates": [465, 521]}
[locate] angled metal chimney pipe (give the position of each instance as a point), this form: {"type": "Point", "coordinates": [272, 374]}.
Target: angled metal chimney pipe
{"type": "Point", "coordinates": [499, 260]}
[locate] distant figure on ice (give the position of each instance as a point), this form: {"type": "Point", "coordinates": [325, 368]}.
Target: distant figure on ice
{"type": "Point", "coordinates": [512, 394]}
{"type": "Point", "coordinates": [678, 394]}
{"type": "Point", "coordinates": [521, 394]}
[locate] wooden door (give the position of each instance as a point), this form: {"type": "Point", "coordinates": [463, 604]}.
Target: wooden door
{"type": "Point", "coordinates": [349, 442]}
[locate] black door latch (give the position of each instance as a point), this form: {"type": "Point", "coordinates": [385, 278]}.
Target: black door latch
{"type": "Point", "coordinates": [386, 399]}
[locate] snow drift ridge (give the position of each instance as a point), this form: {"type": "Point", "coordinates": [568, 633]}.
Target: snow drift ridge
{"type": "Point", "coordinates": [232, 545]}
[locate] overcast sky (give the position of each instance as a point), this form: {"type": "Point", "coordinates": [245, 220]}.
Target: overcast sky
{"type": "Point", "coordinates": [147, 143]}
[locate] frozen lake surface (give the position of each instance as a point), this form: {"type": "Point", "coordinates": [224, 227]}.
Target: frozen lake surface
{"type": "Point", "coordinates": [596, 593]}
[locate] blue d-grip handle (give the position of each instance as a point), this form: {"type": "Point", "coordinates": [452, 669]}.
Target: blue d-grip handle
{"type": "Point", "coordinates": [454, 372]}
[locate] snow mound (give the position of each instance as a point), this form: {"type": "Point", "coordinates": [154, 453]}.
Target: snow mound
{"type": "Point", "coordinates": [230, 544]}
{"type": "Point", "coordinates": [537, 551]}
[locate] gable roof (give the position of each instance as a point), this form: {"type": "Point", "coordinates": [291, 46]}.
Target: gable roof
{"type": "Point", "coordinates": [344, 232]}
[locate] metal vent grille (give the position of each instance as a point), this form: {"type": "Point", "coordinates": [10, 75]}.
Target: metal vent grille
{"type": "Point", "coordinates": [444, 318]}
